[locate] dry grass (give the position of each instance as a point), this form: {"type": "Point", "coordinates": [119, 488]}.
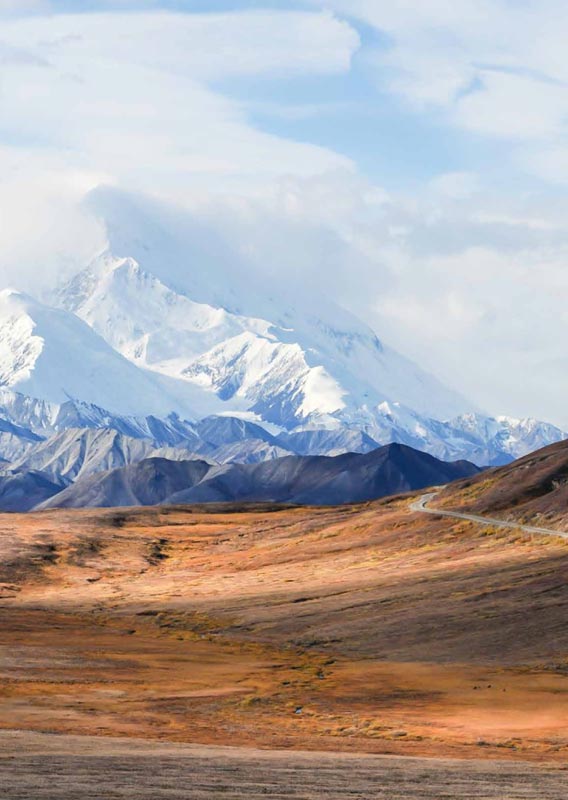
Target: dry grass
{"type": "Point", "coordinates": [365, 629]}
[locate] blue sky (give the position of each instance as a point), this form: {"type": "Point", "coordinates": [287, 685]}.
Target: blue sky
{"type": "Point", "coordinates": [413, 156]}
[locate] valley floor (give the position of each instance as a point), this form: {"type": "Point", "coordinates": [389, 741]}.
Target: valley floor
{"type": "Point", "coordinates": [70, 767]}
{"type": "Point", "coordinates": [359, 630]}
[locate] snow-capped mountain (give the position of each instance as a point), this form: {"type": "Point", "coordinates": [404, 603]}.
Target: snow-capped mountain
{"type": "Point", "coordinates": [486, 441]}
{"type": "Point", "coordinates": [52, 355]}
{"type": "Point", "coordinates": [15, 440]}
{"type": "Point", "coordinates": [325, 374]}
{"type": "Point", "coordinates": [251, 365]}
{"type": "Point", "coordinates": [35, 429]}
{"type": "Point", "coordinates": [21, 415]}
{"type": "Point", "coordinates": [145, 341]}
{"type": "Point", "coordinates": [73, 453]}
{"type": "Point", "coordinates": [175, 300]}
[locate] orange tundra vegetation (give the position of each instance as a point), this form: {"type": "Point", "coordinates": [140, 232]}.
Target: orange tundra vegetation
{"type": "Point", "coordinates": [366, 628]}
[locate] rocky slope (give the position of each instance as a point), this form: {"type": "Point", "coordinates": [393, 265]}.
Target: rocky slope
{"type": "Point", "coordinates": [310, 480]}
{"type": "Point", "coordinates": [77, 452]}
{"type": "Point", "coordinates": [25, 489]}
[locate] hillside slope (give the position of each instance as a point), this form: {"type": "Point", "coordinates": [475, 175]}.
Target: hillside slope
{"type": "Point", "coordinates": [146, 483]}
{"type": "Point", "coordinates": [52, 355]}
{"type": "Point", "coordinates": [24, 489]}
{"type": "Point", "coordinates": [533, 489]}
{"type": "Point", "coordinates": [310, 480]}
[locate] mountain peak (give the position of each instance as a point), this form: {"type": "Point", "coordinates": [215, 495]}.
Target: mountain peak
{"type": "Point", "coordinates": [168, 319]}
{"type": "Point", "coordinates": [52, 355]}
{"type": "Point", "coordinates": [322, 368]}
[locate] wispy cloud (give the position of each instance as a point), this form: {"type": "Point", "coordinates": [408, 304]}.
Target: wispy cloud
{"type": "Point", "coordinates": [132, 100]}
{"type": "Point", "coordinates": [140, 89]}
{"type": "Point", "coordinates": [464, 271]}
{"type": "Point", "coordinates": [491, 67]}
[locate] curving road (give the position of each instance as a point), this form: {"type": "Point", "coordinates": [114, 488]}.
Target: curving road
{"type": "Point", "coordinates": [422, 506]}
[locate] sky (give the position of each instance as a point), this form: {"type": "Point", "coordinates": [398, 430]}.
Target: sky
{"type": "Point", "coordinates": [411, 157]}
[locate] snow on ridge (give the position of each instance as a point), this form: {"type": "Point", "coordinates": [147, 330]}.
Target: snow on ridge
{"type": "Point", "coordinates": [485, 443]}
{"type": "Point", "coordinates": [53, 355]}
{"type": "Point", "coordinates": [75, 375]}
{"type": "Point", "coordinates": [157, 323]}
{"type": "Point", "coordinates": [314, 365]}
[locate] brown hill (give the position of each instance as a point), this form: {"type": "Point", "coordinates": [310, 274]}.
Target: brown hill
{"type": "Point", "coordinates": [533, 490]}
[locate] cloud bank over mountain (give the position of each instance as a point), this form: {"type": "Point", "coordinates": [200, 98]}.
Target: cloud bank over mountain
{"type": "Point", "coordinates": [406, 158]}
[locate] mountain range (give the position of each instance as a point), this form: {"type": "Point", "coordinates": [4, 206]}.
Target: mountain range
{"type": "Point", "coordinates": [302, 480]}
{"type": "Point", "coordinates": [165, 340]}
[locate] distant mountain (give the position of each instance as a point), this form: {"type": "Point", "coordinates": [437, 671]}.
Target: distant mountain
{"type": "Point", "coordinates": [250, 451]}
{"type": "Point", "coordinates": [25, 421]}
{"type": "Point", "coordinates": [149, 482]}
{"type": "Point", "coordinates": [43, 418]}
{"type": "Point", "coordinates": [322, 480]}
{"type": "Point", "coordinates": [220, 431]}
{"type": "Point", "coordinates": [311, 480]}
{"type": "Point", "coordinates": [231, 440]}
{"type": "Point", "coordinates": [23, 490]}
{"type": "Point", "coordinates": [329, 442]}
{"type": "Point", "coordinates": [475, 437]}
{"type": "Point", "coordinates": [73, 453]}
{"type": "Point", "coordinates": [497, 440]}
{"type": "Point", "coordinates": [15, 440]}
{"type": "Point", "coordinates": [166, 336]}
{"type": "Point", "coordinates": [279, 352]}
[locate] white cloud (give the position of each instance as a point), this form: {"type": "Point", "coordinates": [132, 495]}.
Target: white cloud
{"type": "Point", "coordinates": [456, 184]}
{"type": "Point", "coordinates": [131, 95]}
{"type": "Point", "coordinates": [480, 296]}
{"type": "Point", "coordinates": [22, 6]}
{"type": "Point", "coordinates": [550, 163]}
{"type": "Point", "coordinates": [514, 107]}
{"type": "Point", "coordinates": [492, 67]}
{"type": "Point", "coordinates": [130, 100]}
{"type": "Point", "coordinates": [468, 281]}
{"type": "Point", "coordinates": [44, 232]}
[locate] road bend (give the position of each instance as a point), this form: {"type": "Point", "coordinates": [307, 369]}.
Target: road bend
{"type": "Point", "coordinates": [422, 506]}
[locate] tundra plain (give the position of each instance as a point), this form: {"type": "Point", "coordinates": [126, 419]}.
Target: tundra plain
{"type": "Point", "coordinates": [350, 632]}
